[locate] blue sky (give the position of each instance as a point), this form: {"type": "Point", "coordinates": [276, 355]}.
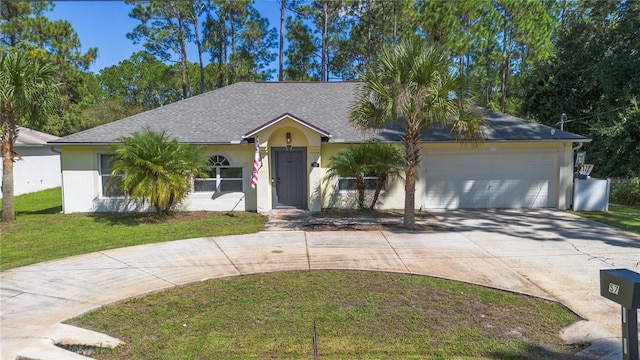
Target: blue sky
{"type": "Point", "coordinates": [105, 24]}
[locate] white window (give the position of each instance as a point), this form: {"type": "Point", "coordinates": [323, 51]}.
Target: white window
{"type": "Point", "coordinates": [221, 177]}
{"type": "Point", "coordinates": [349, 184]}
{"type": "Point", "coordinates": [110, 184]}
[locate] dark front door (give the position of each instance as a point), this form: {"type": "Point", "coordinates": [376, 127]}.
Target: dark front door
{"type": "Point", "coordinates": [290, 180]}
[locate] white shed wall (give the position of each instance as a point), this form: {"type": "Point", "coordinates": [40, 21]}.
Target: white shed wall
{"type": "Point", "coordinates": [38, 170]}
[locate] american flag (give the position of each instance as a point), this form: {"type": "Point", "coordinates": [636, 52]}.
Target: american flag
{"type": "Point", "coordinates": [256, 165]}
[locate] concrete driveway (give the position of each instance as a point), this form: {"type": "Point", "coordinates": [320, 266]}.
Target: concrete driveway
{"type": "Point", "coordinates": [543, 253]}
{"type": "Point", "coordinates": [559, 252]}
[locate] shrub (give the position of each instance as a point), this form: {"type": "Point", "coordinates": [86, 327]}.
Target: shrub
{"type": "Point", "coordinates": [155, 168]}
{"type": "Point", "coordinates": [626, 192]}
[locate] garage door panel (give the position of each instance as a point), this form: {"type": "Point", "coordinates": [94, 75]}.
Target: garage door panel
{"type": "Point", "coordinates": [530, 194]}
{"type": "Point", "coordinates": [464, 180]}
{"type": "Point", "coordinates": [445, 202]}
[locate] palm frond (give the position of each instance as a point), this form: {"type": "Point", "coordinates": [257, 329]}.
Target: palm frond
{"type": "Point", "coordinates": [155, 168]}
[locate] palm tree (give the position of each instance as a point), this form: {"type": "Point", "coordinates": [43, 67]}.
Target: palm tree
{"type": "Point", "coordinates": [151, 167]}
{"type": "Point", "coordinates": [387, 161]}
{"type": "Point", "coordinates": [413, 85]}
{"type": "Point", "coordinates": [370, 159]}
{"type": "Point", "coordinates": [28, 95]}
{"type": "Point", "coordinates": [351, 163]}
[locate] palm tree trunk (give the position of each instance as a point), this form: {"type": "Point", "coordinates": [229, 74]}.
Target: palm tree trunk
{"type": "Point", "coordinates": [360, 186]}
{"type": "Point", "coordinates": [412, 157]}
{"type": "Point", "coordinates": [8, 209]}
{"type": "Point", "coordinates": [379, 185]}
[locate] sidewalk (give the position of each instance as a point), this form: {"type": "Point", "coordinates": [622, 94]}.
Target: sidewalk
{"type": "Point", "coordinates": [520, 252]}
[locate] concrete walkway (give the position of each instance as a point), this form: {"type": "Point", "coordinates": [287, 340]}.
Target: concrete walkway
{"type": "Point", "coordinates": [543, 253]}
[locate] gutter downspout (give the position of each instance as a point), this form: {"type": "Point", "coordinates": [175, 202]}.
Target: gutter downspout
{"type": "Point", "coordinates": [577, 147]}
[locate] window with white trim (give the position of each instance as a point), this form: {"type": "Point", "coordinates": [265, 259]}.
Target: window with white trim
{"type": "Point", "coordinates": [349, 183]}
{"type": "Point", "coordinates": [110, 184]}
{"type": "Point", "coordinates": [221, 177]}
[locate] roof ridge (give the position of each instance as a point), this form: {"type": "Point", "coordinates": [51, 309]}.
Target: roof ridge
{"type": "Point", "coordinates": [307, 82]}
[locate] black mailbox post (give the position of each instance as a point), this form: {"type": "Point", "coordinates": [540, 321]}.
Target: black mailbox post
{"type": "Point", "coordinates": [623, 287]}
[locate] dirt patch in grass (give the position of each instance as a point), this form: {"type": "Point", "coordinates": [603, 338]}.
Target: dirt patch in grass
{"type": "Point", "coordinates": [176, 217]}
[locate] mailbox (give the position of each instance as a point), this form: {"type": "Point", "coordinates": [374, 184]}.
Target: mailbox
{"type": "Point", "coordinates": [621, 286]}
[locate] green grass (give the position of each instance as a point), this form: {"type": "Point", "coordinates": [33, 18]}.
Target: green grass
{"type": "Point", "coordinates": [364, 315]}
{"type": "Point", "coordinates": [42, 233]}
{"type": "Point", "coordinates": [625, 217]}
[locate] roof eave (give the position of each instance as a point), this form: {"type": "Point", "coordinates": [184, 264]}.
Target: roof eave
{"type": "Point", "coordinates": [584, 140]}
{"type": "Point", "coordinates": [80, 143]}
{"type": "Point", "coordinates": [253, 132]}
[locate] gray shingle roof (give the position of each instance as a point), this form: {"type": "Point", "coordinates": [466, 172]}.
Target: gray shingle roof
{"type": "Point", "coordinates": [30, 137]}
{"type": "Point", "coordinates": [504, 127]}
{"type": "Point", "coordinates": [226, 114]}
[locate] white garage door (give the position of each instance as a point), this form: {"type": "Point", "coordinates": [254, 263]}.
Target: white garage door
{"type": "Point", "coordinates": [468, 180]}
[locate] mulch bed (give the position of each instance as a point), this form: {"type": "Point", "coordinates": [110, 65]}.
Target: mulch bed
{"type": "Point", "coordinates": [371, 220]}
{"type": "Point", "coordinates": [373, 227]}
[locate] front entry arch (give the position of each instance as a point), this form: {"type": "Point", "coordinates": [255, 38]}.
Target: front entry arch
{"type": "Point", "coordinates": [289, 183]}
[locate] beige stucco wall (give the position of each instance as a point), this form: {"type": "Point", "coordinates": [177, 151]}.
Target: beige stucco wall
{"type": "Point", "coordinates": [240, 155]}
{"type": "Point", "coordinates": [82, 183]}
{"type": "Point", "coordinates": [391, 198]}
{"type": "Point", "coordinates": [301, 136]}
{"type": "Point", "coordinates": [82, 192]}
{"type": "Point", "coordinates": [565, 186]}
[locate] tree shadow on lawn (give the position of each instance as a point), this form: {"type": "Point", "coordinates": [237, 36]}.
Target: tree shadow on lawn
{"type": "Point", "coordinates": [152, 218]}
{"type": "Point", "coordinates": [131, 218]}
{"type": "Point", "coordinates": [48, 211]}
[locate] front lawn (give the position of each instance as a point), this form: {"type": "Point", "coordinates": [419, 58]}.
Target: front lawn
{"type": "Point", "coordinates": [358, 315]}
{"type": "Point", "coordinates": [42, 233]}
{"type": "Point", "coordinates": [624, 217]}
